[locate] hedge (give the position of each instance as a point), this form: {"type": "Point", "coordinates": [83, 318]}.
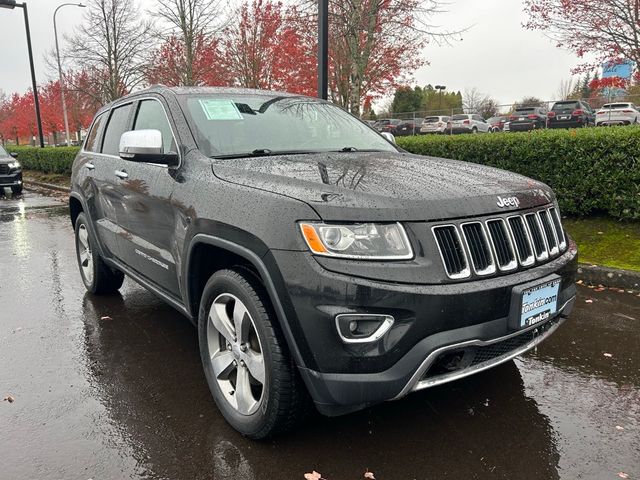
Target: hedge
{"type": "Point", "coordinates": [592, 170]}
{"type": "Point", "coordinates": [47, 160]}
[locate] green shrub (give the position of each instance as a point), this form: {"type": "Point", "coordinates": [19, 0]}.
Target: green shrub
{"type": "Point", "coordinates": [47, 160]}
{"type": "Point", "coordinates": [591, 170]}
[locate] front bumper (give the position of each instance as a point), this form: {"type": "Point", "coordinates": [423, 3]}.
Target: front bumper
{"type": "Point", "coordinates": [11, 180]}
{"type": "Point", "coordinates": [430, 321]}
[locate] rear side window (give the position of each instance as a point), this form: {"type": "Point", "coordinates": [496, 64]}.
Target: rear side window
{"type": "Point", "coordinates": [151, 116]}
{"type": "Point", "coordinates": [91, 143]}
{"type": "Point", "coordinates": [118, 122]}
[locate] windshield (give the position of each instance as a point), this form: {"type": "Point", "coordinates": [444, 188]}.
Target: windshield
{"type": "Point", "coordinates": [616, 105]}
{"type": "Point", "coordinates": [241, 124]}
{"type": "Point", "coordinates": [525, 110]}
{"type": "Point", "coordinates": [3, 152]}
{"type": "Point", "coordinates": [460, 117]}
{"type": "Point", "coordinates": [565, 106]}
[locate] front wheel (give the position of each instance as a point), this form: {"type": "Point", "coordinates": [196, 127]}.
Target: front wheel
{"type": "Point", "coordinates": [97, 276]}
{"type": "Point", "coordinates": [250, 373]}
{"type": "Point", "coordinates": [16, 190]}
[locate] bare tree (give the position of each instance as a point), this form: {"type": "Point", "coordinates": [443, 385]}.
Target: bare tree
{"type": "Point", "coordinates": [565, 89]}
{"type": "Point", "coordinates": [112, 44]}
{"type": "Point", "coordinates": [191, 22]}
{"type": "Point", "coordinates": [473, 100]}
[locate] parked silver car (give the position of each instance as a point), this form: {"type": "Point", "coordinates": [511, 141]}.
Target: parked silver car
{"type": "Point", "coordinates": [437, 124]}
{"type": "Point", "coordinates": [469, 123]}
{"type": "Point", "coordinates": [621, 113]}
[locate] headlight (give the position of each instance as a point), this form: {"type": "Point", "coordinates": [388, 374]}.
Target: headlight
{"type": "Point", "coordinates": [13, 165]}
{"type": "Point", "coordinates": [366, 241]}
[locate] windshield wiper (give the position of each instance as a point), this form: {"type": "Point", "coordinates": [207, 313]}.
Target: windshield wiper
{"type": "Point", "coordinates": [354, 149]}
{"type": "Point", "coordinates": [263, 152]}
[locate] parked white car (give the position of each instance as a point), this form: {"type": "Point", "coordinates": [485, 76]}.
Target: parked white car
{"type": "Point", "coordinates": [438, 124]}
{"type": "Point", "coordinates": [469, 123]}
{"type": "Point", "coordinates": [621, 113]}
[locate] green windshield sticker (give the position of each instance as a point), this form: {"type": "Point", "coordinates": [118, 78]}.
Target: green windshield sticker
{"type": "Point", "coordinates": [220, 109]}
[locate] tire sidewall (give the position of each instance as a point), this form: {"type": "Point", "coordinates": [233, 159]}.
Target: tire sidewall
{"type": "Point", "coordinates": [223, 282]}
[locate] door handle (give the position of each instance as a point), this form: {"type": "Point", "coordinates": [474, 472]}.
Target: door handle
{"type": "Point", "coordinates": [121, 174]}
{"type": "Point", "coordinates": [89, 166]}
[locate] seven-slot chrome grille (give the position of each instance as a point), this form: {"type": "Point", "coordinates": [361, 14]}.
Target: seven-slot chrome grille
{"type": "Point", "coordinates": [501, 244]}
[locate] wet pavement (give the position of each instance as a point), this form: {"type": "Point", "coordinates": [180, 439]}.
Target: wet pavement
{"type": "Point", "coordinates": [125, 397]}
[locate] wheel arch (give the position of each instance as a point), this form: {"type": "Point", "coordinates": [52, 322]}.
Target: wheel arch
{"type": "Point", "coordinates": [197, 273]}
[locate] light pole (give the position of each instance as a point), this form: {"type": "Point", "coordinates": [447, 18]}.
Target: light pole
{"type": "Point", "coordinates": [11, 4]}
{"type": "Point", "coordinates": [64, 102]}
{"type": "Point", "coordinates": [323, 49]}
{"type": "Point", "coordinates": [440, 88]}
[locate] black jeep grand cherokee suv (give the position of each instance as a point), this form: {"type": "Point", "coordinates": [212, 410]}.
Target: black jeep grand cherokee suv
{"type": "Point", "coordinates": [318, 260]}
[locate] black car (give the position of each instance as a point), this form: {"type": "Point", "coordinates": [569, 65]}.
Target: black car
{"type": "Point", "coordinates": [10, 171]}
{"type": "Point", "coordinates": [571, 114]}
{"type": "Point", "coordinates": [321, 264]}
{"type": "Point", "coordinates": [409, 127]}
{"type": "Point", "coordinates": [527, 118]}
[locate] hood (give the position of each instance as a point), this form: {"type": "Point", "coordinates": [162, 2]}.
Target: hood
{"type": "Point", "coordinates": [386, 186]}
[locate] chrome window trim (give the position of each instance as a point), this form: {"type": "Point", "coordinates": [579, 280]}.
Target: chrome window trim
{"type": "Point", "coordinates": [132, 101]}
{"type": "Point", "coordinates": [531, 259]}
{"type": "Point", "coordinates": [545, 254]}
{"type": "Point", "coordinates": [465, 272]}
{"type": "Point", "coordinates": [512, 265]}
{"type": "Point", "coordinates": [492, 266]}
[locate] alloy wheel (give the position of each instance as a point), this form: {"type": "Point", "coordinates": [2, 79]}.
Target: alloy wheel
{"type": "Point", "coordinates": [235, 353]}
{"type": "Point", "coordinates": [85, 255]}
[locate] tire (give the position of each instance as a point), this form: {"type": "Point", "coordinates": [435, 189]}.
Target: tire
{"type": "Point", "coordinates": [17, 190]}
{"type": "Point", "coordinates": [273, 398]}
{"type": "Point", "coordinates": [474, 130]}
{"type": "Point", "coordinates": [97, 276]}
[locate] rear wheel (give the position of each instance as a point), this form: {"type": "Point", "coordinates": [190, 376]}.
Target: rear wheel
{"type": "Point", "coordinates": [17, 190]}
{"type": "Point", "coordinates": [96, 275]}
{"type": "Point", "coordinates": [250, 373]}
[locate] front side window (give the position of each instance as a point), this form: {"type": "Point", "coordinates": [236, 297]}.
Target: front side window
{"type": "Point", "coordinates": [91, 143]}
{"type": "Point", "coordinates": [238, 125]}
{"type": "Point", "coordinates": [118, 122]}
{"type": "Point", "coordinates": [151, 116]}
{"type": "Point", "coordinates": [3, 152]}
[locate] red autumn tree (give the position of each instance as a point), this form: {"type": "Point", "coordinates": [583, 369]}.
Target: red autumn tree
{"type": "Point", "coordinates": [170, 62]}
{"type": "Point", "coordinates": [266, 49]}
{"type": "Point", "coordinates": [605, 29]}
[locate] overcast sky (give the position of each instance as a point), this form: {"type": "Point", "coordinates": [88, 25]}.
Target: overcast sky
{"type": "Point", "coordinates": [496, 55]}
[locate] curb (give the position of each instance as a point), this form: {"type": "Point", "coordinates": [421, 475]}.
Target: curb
{"type": "Point", "coordinates": [50, 186]}
{"type": "Point", "coordinates": [610, 277]}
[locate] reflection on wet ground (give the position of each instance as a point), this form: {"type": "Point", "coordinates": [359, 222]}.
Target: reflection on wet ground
{"type": "Point", "coordinates": [124, 396]}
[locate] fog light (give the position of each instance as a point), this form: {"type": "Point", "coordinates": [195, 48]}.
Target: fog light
{"type": "Point", "coordinates": [362, 328]}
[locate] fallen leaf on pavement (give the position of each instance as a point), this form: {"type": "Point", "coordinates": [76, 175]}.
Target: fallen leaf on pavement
{"type": "Point", "coordinates": [588, 300]}
{"type": "Point", "coordinates": [106, 317]}
{"type": "Point", "coordinates": [618, 427]}
{"type": "Point", "coordinates": [623, 475]}
{"type": "Point", "coordinates": [9, 399]}
{"type": "Point", "coordinates": [599, 289]}
{"type": "Point", "coordinates": [369, 475]}
{"type": "Point", "coordinates": [608, 355]}
{"type": "Point", "coordinates": [313, 476]}
{"type": "Point", "coordinates": [579, 282]}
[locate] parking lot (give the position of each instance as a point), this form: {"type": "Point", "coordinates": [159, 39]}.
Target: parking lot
{"type": "Point", "coordinates": [112, 387]}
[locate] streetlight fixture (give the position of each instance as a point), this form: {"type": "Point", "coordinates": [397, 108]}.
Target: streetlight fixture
{"type": "Point", "coordinates": [440, 88]}
{"type": "Point", "coordinates": [64, 103]}
{"type": "Point", "coordinates": [11, 4]}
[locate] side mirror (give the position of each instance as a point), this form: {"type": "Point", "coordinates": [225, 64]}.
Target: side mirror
{"type": "Point", "coordinates": [13, 154]}
{"type": "Point", "coordinates": [389, 137]}
{"type": "Point", "coordinates": [146, 146]}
